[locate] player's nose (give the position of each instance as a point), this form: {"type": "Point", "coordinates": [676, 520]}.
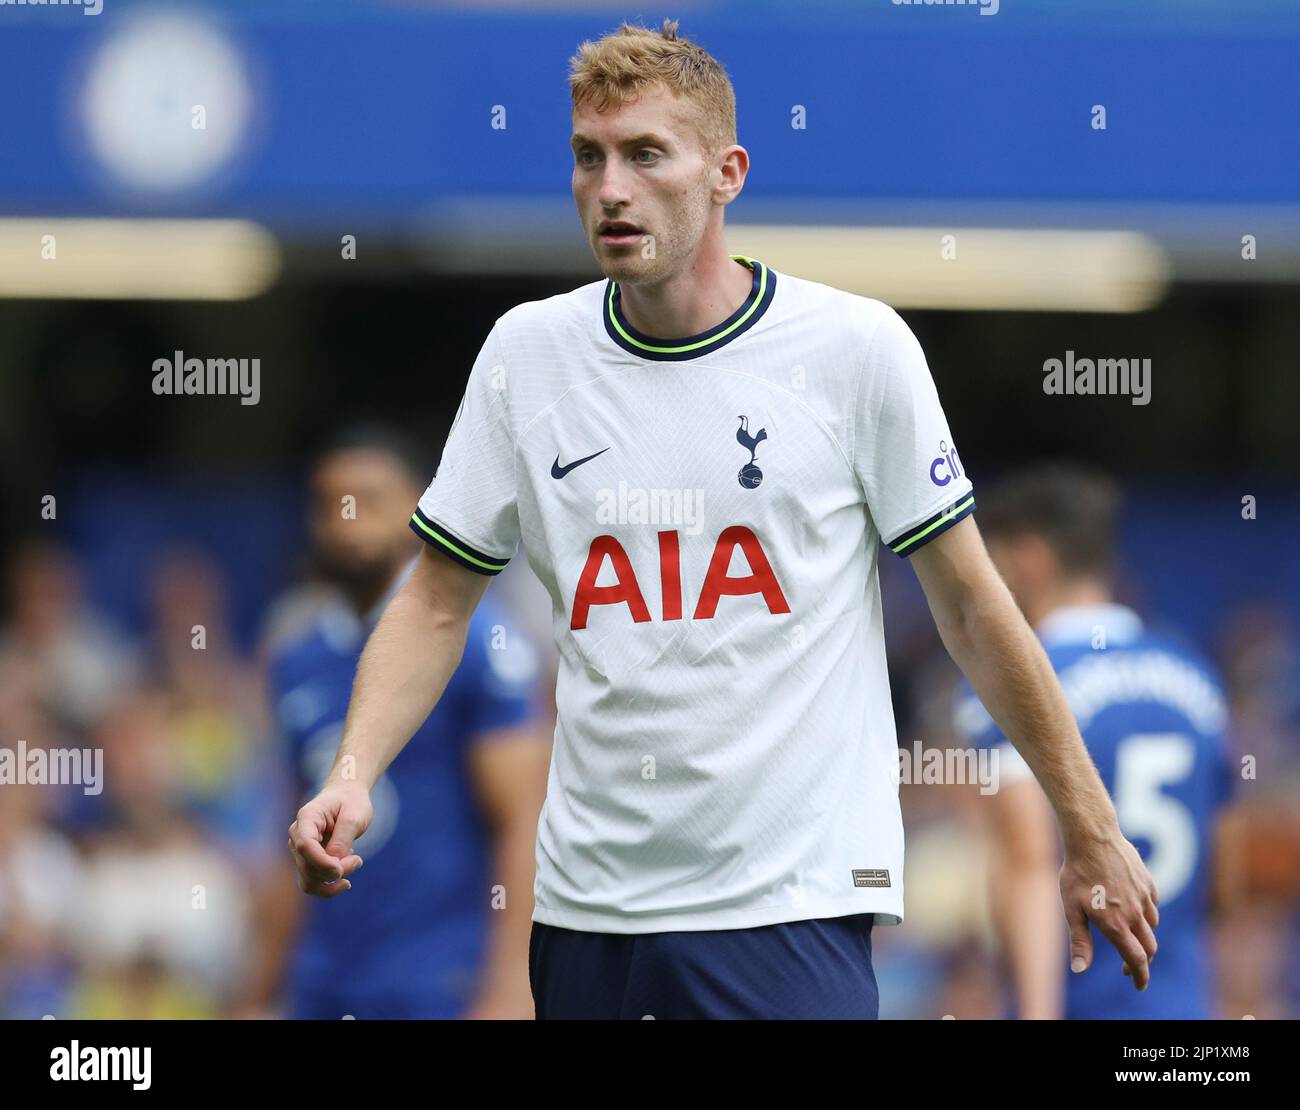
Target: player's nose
{"type": "Point", "coordinates": [613, 192]}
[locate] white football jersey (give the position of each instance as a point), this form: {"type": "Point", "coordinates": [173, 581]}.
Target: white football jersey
{"type": "Point", "coordinates": [706, 514]}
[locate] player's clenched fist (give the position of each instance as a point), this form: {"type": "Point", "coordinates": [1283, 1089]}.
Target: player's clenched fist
{"type": "Point", "coordinates": [321, 837]}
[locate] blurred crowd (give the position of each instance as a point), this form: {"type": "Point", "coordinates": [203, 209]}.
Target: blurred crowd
{"type": "Point", "coordinates": [136, 901]}
{"type": "Point", "coordinates": [143, 900]}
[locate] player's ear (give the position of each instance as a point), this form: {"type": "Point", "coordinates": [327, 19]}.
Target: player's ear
{"type": "Point", "coordinates": [729, 177]}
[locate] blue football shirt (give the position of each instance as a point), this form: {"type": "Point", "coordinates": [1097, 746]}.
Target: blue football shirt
{"type": "Point", "coordinates": [408, 940]}
{"type": "Point", "coordinates": [1152, 715]}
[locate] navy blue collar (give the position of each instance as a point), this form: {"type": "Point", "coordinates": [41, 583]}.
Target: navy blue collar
{"type": "Point", "coordinates": [692, 346]}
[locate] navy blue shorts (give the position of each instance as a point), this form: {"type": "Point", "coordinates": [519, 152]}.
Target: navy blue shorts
{"type": "Point", "coordinates": [798, 969]}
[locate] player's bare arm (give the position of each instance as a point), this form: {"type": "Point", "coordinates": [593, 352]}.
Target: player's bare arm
{"type": "Point", "coordinates": [409, 658]}
{"type": "Point", "coordinates": [1103, 879]}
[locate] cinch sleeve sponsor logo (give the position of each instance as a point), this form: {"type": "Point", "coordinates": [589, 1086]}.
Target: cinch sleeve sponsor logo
{"type": "Point", "coordinates": [946, 467]}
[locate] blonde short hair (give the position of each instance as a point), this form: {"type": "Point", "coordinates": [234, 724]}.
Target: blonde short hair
{"type": "Point", "coordinates": [617, 68]}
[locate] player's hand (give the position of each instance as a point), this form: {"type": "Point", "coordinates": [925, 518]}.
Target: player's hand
{"type": "Point", "coordinates": [1105, 882]}
{"type": "Point", "coordinates": [320, 839]}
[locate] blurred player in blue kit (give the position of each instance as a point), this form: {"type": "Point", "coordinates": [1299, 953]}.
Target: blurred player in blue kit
{"type": "Point", "coordinates": [1152, 715]}
{"type": "Point", "coordinates": [439, 925]}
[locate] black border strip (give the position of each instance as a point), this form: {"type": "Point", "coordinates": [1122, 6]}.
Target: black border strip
{"type": "Point", "coordinates": [451, 545]}
{"type": "Point", "coordinates": [934, 526]}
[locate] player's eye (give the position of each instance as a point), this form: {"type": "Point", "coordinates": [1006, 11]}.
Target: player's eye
{"type": "Point", "coordinates": [654, 156]}
{"type": "Point", "coordinates": [586, 157]}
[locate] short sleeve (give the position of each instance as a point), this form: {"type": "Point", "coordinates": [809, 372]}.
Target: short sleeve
{"type": "Point", "coordinates": [469, 510]}
{"type": "Point", "coordinates": [903, 451]}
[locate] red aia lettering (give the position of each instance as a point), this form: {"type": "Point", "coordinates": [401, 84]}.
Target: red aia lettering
{"type": "Point", "coordinates": [626, 590]}
{"type": "Point", "coordinates": [760, 580]}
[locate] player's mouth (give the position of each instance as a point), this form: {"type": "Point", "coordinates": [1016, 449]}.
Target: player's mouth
{"type": "Point", "coordinates": [619, 233]}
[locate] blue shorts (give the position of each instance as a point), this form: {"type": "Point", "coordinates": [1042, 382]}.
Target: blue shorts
{"type": "Point", "coordinates": [797, 969]}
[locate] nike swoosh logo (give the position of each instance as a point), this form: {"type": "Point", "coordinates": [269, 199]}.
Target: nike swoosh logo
{"type": "Point", "coordinates": [558, 471]}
